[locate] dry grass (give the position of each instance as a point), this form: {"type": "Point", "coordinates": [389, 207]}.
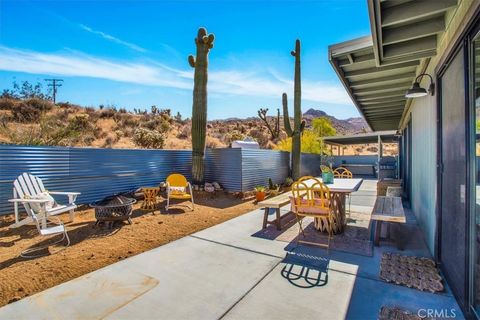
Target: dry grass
{"type": "Point", "coordinates": [94, 247]}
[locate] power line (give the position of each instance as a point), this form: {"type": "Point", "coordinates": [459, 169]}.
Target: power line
{"type": "Point", "coordinates": [55, 84]}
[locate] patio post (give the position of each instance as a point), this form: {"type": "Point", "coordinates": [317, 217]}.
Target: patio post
{"type": "Point", "coordinates": [380, 153]}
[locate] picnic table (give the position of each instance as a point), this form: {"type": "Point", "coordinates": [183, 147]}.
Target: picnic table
{"type": "Point", "coordinates": [338, 189]}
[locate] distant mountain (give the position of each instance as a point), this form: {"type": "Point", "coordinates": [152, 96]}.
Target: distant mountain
{"type": "Point", "coordinates": [343, 127]}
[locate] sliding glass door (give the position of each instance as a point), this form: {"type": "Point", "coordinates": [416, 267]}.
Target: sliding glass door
{"type": "Point", "coordinates": [453, 252]}
{"type": "Point", "coordinates": [475, 218]}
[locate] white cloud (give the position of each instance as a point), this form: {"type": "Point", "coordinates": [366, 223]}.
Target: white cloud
{"type": "Point", "coordinates": [108, 37]}
{"type": "Point", "coordinates": [228, 82]}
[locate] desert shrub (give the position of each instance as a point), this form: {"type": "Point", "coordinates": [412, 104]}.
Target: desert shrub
{"type": "Point", "coordinates": [310, 143]}
{"type": "Point", "coordinates": [42, 104]}
{"type": "Point", "coordinates": [25, 113]}
{"type": "Point", "coordinates": [48, 131]}
{"type": "Point", "coordinates": [150, 124]}
{"type": "Point", "coordinates": [64, 105]}
{"type": "Point", "coordinates": [129, 121]}
{"type": "Point", "coordinates": [5, 119]}
{"type": "Point", "coordinates": [184, 132]}
{"type": "Point", "coordinates": [107, 113]}
{"type": "Point", "coordinates": [122, 110]}
{"type": "Point", "coordinates": [111, 139]}
{"type": "Point", "coordinates": [213, 143]}
{"type": "Point", "coordinates": [149, 139]}
{"type": "Point", "coordinates": [260, 137]}
{"type": "Point", "coordinates": [90, 110]}
{"type": "Point", "coordinates": [80, 122]}
{"type": "Point", "coordinates": [63, 115]}
{"type": "Point", "coordinates": [7, 103]}
{"type": "Point", "coordinates": [157, 122]}
{"type": "Point", "coordinates": [88, 140]}
{"type": "Point", "coordinates": [119, 134]}
{"type": "Point", "coordinates": [233, 136]}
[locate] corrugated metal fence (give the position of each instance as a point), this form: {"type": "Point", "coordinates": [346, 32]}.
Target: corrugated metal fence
{"type": "Point", "coordinates": [97, 173]}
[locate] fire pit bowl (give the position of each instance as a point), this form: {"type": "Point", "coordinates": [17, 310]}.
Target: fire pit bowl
{"type": "Point", "coordinates": [113, 208]}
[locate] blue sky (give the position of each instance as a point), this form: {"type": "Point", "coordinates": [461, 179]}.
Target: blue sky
{"type": "Point", "coordinates": [133, 54]}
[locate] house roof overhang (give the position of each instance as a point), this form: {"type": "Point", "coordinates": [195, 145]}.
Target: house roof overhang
{"type": "Point", "coordinates": [377, 70]}
{"type": "Point", "coordinates": [362, 138]}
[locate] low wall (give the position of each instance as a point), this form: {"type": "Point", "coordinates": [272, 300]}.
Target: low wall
{"type": "Point", "coordinates": [339, 160]}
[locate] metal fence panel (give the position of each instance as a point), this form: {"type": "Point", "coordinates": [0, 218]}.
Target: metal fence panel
{"type": "Point", "coordinates": [260, 165]}
{"type": "Point", "coordinates": [225, 167]}
{"type": "Point", "coordinates": [96, 173]}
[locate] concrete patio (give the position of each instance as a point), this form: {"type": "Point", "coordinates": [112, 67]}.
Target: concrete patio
{"type": "Point", "coordinates": [225, 272]}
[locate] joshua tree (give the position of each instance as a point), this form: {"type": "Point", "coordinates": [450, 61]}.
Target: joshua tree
{"type": "Point", "coordinates": [275, 131]}
{"type": "Point", "coordinates": [204, 43]}
{"type": "Point", "coordinates": [298, 124]}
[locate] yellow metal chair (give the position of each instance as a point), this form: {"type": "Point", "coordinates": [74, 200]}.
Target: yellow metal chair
{"type": "Point", "coordinates": [179, 188]}
{"type": "Point", "coordinates": [311, 199]}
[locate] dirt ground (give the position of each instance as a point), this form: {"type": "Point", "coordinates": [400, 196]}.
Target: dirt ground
{"type": "Point", "coordinates": [93, 247]}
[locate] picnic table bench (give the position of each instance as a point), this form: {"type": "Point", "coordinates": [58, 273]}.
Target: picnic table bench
{"type": "Point", "coordinates": [390, 210]}
{"type": "Point", "coordinates": [275, 203]}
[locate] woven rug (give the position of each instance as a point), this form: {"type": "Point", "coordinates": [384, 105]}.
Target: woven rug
{"type": "Point", "coordinates": [395, 313]}
{"type": "Point", "coordinates": [413, 272]}
{"type": "Point", "coordinates": [355, 239]}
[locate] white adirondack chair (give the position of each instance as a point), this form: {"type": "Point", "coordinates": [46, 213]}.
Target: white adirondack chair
{"type": "Point", "coordinates": [25, 189]}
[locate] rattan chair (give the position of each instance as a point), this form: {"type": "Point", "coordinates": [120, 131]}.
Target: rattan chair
{"type": "Point", "coordinates": [342, 172]}
{"type": "Point", "coordinates": [311, 199]}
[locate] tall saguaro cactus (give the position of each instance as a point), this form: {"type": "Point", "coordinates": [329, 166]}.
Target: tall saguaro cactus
{"type": "Point", "coordinates": [298, 124]}
{"type": "Point", "coordinates": [204, 43]}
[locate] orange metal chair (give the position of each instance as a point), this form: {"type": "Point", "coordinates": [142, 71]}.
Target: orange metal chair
{"type": "Point", "coordinates": [179, 188]}
{"type": "Point", "coordinates": [311, 199]}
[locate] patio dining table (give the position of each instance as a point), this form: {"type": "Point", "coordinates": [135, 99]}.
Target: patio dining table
{"type": "Point", "coordinates": [338, 190]}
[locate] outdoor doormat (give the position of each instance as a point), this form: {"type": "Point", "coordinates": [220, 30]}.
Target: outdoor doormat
{"type": "Point", "coordinates": [395, 313]}
{"type": "Point", "coordinates": [355, 239]}
{"type": "Point", "coordinates": [414, 272]}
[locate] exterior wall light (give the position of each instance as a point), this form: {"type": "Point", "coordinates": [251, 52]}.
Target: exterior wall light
{"type": "Point", "coordinates": [416, 91]}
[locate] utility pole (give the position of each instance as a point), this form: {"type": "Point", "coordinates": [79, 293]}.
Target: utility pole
{"type": "Point", "coordinates": [55, 84]}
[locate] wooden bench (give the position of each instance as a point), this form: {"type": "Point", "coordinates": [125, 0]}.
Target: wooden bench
{"type": "Point", "coordinates": [275, 203]}
{"type": "Point", "coordinates": [388, 209]}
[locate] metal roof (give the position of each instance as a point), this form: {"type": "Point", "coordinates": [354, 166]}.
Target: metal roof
{"type": "Point", "coordinates": [361, 138]}
{"type": "Point", "coordinates": [377, 70]}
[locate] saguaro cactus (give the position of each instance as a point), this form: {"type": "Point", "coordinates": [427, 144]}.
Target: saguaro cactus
{"type": "Point", "coordinates": [298, 124]}
{"type": "Point", "coordinates": [203, 42]}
